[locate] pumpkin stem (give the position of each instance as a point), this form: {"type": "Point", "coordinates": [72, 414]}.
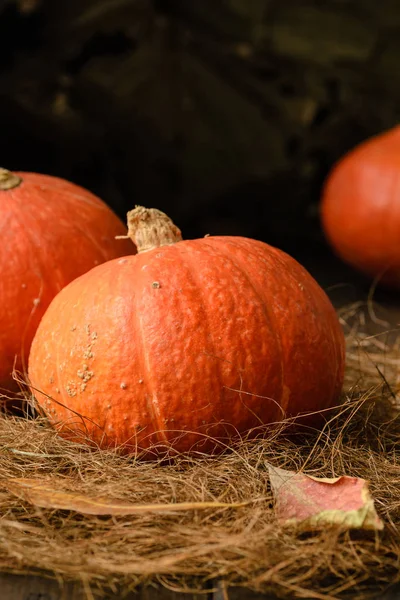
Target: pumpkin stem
{"type": "Point", "coordinates": [8, 180]}
{"type": "Point", "coordinates": [150, 228]}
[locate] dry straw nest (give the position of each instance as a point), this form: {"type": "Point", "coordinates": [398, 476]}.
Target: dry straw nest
{"type": "Point", "coordinates": [240, 542]}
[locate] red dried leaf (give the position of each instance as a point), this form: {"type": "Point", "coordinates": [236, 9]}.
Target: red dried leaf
{"type": "Point", "coordinates": [344, 501]}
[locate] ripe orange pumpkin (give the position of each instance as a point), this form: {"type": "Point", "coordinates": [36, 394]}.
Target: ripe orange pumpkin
{"type": "Point", "coordinates": [360, 208]}
{"type": "Point", "coordinates": [204, 337]}
{"type": "Point", "coordinates": [52, 232]}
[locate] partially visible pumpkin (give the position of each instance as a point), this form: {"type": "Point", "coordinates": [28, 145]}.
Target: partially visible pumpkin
{"type": "Point", "coordinates": [360, 208]}
{"type": "Point", "coordinates": [187, 339]}
{"type": "Point", "coordinates": [51, 232]}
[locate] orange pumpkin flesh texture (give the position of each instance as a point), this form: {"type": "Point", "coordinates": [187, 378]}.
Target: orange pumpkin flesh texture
{"type": "Point", "coordinates": [206, 337]}
{"type": "Point", "coordinates": [360, 208]}
{"type": "Point", "coordinates": [52, 232]}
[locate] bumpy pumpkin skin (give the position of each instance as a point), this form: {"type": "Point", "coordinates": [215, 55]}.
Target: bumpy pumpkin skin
{"type": "Point", "coordinates": [360, 208]}
{"type": "Point", "coordinates": [52, 232]}
{"type": "Point", "coordinates": [212, 336]}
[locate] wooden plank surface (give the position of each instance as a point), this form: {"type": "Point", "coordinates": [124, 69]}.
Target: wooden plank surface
{"type": "Point", "coordinates": [36, 587]}
{"type": "Point", "coordinates": [23, 587]}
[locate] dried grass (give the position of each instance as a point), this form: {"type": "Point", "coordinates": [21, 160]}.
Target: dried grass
{"type": "Point", "coordinates": [372, 350]}
{"type": "Point", "coordinates": [243, 545]}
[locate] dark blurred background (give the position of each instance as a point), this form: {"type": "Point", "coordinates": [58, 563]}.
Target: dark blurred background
{"type": "Point", "coordinates": [227, 114]}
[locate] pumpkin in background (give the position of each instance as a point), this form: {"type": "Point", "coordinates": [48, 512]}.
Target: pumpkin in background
{"type": "Point", "coordinates": [52, 232]}
{"type": "Point", "coordinates": [360, 208]}
{"type": "Point", "coordinates": [187, 339]}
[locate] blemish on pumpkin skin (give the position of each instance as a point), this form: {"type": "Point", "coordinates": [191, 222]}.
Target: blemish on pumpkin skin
{"type": "Point", "coordinates": [123, 385]}
{"type": "Point", "coordinates": [156, 285]}
{"type": "Point", "coordinates": [73, 328]}
{"type": "Point", "coordinates": [85, 374]}
{"type": "Point", "coordinates": [88, 353]}
{"type": "Point", "coordinates": [51, 379]}
{"type": "Point", "coordinates": [36, 301]}
{"type": "Point", "coordinates": [70, 388]}
{"type": "Point", "coordinates": [140, 380]}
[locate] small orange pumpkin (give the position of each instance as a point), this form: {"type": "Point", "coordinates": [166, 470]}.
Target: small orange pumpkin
{"type": "Point", "coordinates": [52, 232]}
{"type": "Point", "coordinates": [360, 208]}
{"type": "Point", "coordinates": [187, 339]}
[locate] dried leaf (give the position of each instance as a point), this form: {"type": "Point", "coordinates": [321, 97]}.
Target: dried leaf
{"type": "Point", "coordinates": [343, 501]}
{"type": "Point", "coordinates": [40, 494]}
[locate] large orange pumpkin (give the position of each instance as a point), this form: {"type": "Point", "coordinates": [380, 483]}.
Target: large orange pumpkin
{"type": "Point", "coordinates": [204, 337]}
{"type": "Point", "coordinates": [52, 231]}
{"type": "Point", "coordinates": [360, 208]}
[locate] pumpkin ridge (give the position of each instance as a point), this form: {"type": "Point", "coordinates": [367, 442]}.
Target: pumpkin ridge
{"type": "Point", "coordinates": [38, 264]}
{"type": "Point", "coordinates": [266, 311]}
{"type": "Point", "coordinates": [60, 386]}
{"type": "Point", "coordinates": [28, 234]}
{"type": "Point", "coordinates": [187, 258]}
{"type": "Point", "coordinates": [76, 417]}
{"type": "Point", "coordinates": [154, 413]}
{"type": "Point", "coordinates": [317, 295]}
{"type": "Point", "coordinates": [338, 361]}
{"type": "Point", "coordinates": [36, 242]}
